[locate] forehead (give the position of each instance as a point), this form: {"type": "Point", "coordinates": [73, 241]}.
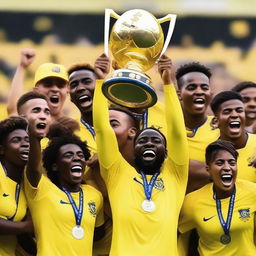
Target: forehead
{"type": "Point", "coordinates": [150, 133]}
{"type": "Point", "coordinates": [80, 74]}
{"type": "Point", "coordinates": [248, 92]}
{"type": "Point", "coordinates": [235, 103]}
{"type": "Point", "coordinates": [34, 103]}
{"type": "Point", "coordinates": [195, 78]}
{"type": "Point", "coordinates": [17, 132]}
{"type": "Point", "coordinates": [119, 115]}
{"type": "Point", "coordinates": [69, 148]}
{"type": "Point", "coordinates": [222, 154]}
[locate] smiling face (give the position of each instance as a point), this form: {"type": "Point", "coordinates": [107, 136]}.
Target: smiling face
{"type": "Point", "coordinates": [56, 90]}
{"type": "Point", "coordinates": [249, 100]}
{"type": "Point", "coordinates": [195, 93]}
{"type": "Point", "coordinates": [15, 147]}
{"type": "Point", "coordinates": [223, 172]}
{"type": "Point", "coordinates": [82, 85]}
{"type": "Point", "coordinates": [149, 151]}
{"type": "Point", "coordinates": [231, 119]}
{"type": "Point", "coordinates": [38, 110]}
{"type": "Point", "coordinates": [70, 166]}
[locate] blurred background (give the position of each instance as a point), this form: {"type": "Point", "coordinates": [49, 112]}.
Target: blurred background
{"type": "Point", "coordinates": [219, 33]}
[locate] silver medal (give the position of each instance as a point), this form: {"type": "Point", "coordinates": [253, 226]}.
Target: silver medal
{"type": "Point", "coordinates": [78, 232]}
{"type": "Point", "coordinates": [148, 205]}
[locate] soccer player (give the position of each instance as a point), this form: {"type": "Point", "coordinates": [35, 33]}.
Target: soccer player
{"type": "Point", "coordinates": [14, 218]}
{"type": "Point", "coordinates": [50, 79]}
{"type": "Point", "coordinates": [223, 211]}
{"type": "Point", "coordinates": [64, 211]}
{"type": "Point", "coordinates": [229, 112]}
{"type": "Point", "coordinates": [193, 80]}
{"type": "Point", "coordinates": [248, 92]}
{"type": "Point", "coordinates": [145, 199]}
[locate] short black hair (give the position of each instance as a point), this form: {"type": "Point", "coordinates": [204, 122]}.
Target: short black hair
{"type": "Point", "coordinates": [192, 67]}
{"type": "Point", "coordinates": [11, 124]}
{"type": "Point", "coordinates": [81, 66]}
{"type": "Point", "coordinates": [126, 111]}
{"type": "Point", "coordinates": [51, 152]}
{"type": "Point", "coordinates": [29, 96]}
{"type": "Point", "coordinates": [150, 128]}
{"type": "Point", "coordinates": [214, 147]}
{"type": "Point", "coordinates": [243, 85]}
{"type": "Point", "coordinates": [223, 97]}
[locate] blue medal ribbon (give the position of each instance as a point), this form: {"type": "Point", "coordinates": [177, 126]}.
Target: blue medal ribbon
{"type": "Point", "coordinates": [88, 127]}
{"type": "Point", "coordinates": [145, 119]}
{"type": "Point", "coordinates": [17, 196]}
{"type": "Point", "coordinates": [78, 211]}
{"type": "Point", "coordinates": [148, 187]}
{"type": "Point", "coordinates": [226, 225]}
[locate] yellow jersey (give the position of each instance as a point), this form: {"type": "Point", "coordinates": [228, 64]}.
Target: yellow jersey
{"type": "Point", "coordinates": [54, 219]}
{"type": "Point", "coordinates": [246, 155]}
{"type": "Point", "coordinates": [200, 138]}
{"type": "Point", "coordinates": [10, 209]}
{"type": "Point", "coordinates": [136, 232]}
{"type": "Point", "coordinates": [199, 212]}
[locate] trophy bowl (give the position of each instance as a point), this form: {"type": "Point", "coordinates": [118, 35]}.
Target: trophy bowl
{"type": "Point", "coordinates": [136, 42]}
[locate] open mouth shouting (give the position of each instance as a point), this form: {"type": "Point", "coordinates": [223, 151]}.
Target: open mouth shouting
{"type": "Point", "coordinates": [235, 126]}
{"type": "Point", "coordinates": [24, 155]}
{"type": "Point", "coordinates": [54, 99]}
{"type": "Point", "coordinates": [85, 100]}
{"type": "Point", "coordinates": [227, 179]}
{"type": "Point", "coordinates": [76, 171]}
{"type": "Point", "coordinates": [149, 155]}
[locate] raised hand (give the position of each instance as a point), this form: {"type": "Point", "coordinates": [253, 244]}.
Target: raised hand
{"type": "Point", "coordinates": [27, 57]}
{"type": "Point", "coordinates": [102, 66]}
{"type": "Point", "coordinates": [165, 69]}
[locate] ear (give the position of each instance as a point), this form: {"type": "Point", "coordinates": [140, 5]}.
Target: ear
{"type": "Point", "coordinates": [179, 94]}
{"type": "Point", "coordinates": [215, 122]}
{"type": "Point", "coordinates": [54, 167]}
{"type": "Point", "coordinates": [132, 132]}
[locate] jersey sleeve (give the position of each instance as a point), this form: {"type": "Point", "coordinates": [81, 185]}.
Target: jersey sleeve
{"type": "Point", "coordinates": [186, 222]}
{"type": "Point", "coordinates": [107, 146]}
{"type": "Point", "coordinates": [177, 144]}
{"type": "Point", "coordinates": [37, 193]}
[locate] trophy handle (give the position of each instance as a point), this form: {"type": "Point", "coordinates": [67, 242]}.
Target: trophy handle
{"type": "Point", "coordinates": [108, 13]}
{"type": "Point", "coordinates": [172, 19]}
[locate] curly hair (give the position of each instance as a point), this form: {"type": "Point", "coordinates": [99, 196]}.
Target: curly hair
{"type": "Point", "coordinates": [11, 124]}
{"type": "Point", "coordinates": [192, 67]}
{"type": "Point", "coordinates": [51, 152]}
{"type": "Point", "coordinates": [81, 66]}
{"type": "Point", "coordinates": [243, 85]}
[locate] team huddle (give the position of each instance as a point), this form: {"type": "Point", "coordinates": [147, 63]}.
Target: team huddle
{"type": "Point", "coordinates": [167, 180]}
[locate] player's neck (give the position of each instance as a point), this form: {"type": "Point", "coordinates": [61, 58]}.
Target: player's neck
{"type": "Point", "coordinates": [87, 117]}
{"type": "Point", "coordinates": [222, 194]}
{"type": "Point", "coordinates": [12, 171]}
{"type": "Point", "coordinates": [239, 142]}
{"type": "Point", "coordinates": [194, 121]}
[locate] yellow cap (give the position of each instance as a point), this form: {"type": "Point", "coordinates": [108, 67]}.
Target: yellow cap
{"type": "Point", "coordinates": [50, 70]}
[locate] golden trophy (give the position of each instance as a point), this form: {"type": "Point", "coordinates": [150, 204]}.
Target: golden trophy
{"type": "Point", "coordinates": [136, 42]}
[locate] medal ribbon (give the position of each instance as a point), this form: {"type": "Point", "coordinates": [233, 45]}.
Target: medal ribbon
{"type": "Point", "coordinates": [88, 127]}
{"type": "Point", "coordinates": [77, 211]}
{"type": "Point", "coordinates": [148, 187]}
{"type": "Point", "coordinates": [17, 196]}
{"type": "Point", "coordinates": [226, 225]}
{"type": "Point", "coordinates": [145, 119]}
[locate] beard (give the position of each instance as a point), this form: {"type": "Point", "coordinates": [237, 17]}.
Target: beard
{"type": "Point", "coordinates": [149, 167]}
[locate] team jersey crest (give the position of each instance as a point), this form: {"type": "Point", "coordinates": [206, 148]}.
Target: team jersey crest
{"type": "Point", "coordinates": [244, 214]}
{"type": "Point", "coordinates": [92, 208]}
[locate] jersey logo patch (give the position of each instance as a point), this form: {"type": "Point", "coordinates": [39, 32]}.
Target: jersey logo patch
{"type": "Point", "coordinates": [56, 69]}
{"type": "Point", "coordinates": [92, 208]}
{"type": "Point", "coordinates": [244, 214]}
{"type": "Point", "coordinates": [159, 184]}
{"type": "Point", "coordinates": [206, 219]}
{"type": "Point", "coordinates": [5, 195]}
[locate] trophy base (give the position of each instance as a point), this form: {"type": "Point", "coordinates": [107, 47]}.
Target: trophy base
{"type": "Point", "coordinates": [130, 88]}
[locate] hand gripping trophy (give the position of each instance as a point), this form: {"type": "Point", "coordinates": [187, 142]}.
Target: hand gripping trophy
{"type": "Point", "coordinates": [136, 42]}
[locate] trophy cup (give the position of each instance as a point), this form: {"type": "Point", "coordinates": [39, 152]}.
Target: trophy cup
{"type": "Point", "coordinates": [136, 42]}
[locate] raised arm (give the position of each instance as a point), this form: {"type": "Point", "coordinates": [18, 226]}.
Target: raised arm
{"type": "Point", "coordinates": [106, 141]}
{"type": "Point", "coordinates": [176, 133]}
{"type": "Point", "coordinates": [16, 90]}
{"type": "Point", "coordinates": [34, 167]}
